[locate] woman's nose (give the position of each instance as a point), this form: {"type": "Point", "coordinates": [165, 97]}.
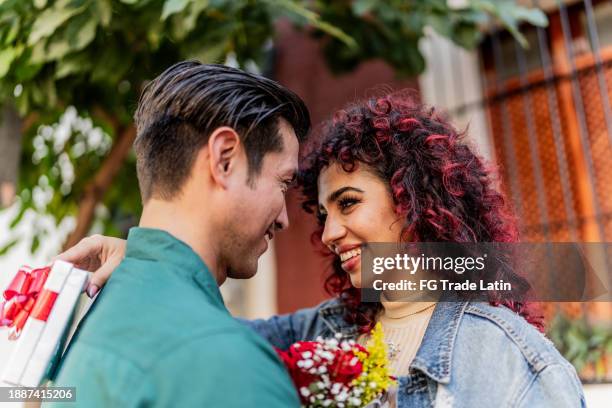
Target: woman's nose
{"type": "Point", "coordinates": [333, 231]}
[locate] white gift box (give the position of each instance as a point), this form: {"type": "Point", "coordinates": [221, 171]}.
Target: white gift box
{"type": "Point", "coordinates": [51, 340]}
{"type": "Point", "coordinates": [42, 337]}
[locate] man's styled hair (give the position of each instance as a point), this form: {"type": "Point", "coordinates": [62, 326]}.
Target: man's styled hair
{"type": "Point", "coordinates": [179, 109]}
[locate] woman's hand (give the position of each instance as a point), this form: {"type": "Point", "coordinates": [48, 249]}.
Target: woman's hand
{"type": "Point", "coordinates": [98, 254]}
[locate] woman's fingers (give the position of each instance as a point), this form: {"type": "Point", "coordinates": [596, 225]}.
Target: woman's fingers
{"type": "Point", "coordinates": [86, 254]}
{"type": "Point", "coordinates": [103, 273]}
{"type": "Point", "coordinates": [111, 254]}
{"type": "Point", "coordinates": [96, 253]}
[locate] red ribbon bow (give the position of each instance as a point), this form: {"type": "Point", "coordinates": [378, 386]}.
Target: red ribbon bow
{"type": "Point", "coordinates": [20, 297]}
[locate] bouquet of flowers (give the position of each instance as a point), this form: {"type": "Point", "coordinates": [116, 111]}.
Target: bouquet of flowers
{"type": "Point", "coordinates": [339, 374]}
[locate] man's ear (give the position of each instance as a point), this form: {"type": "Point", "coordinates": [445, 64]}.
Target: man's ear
{"type": "Point", "coordinates": [224, 149]}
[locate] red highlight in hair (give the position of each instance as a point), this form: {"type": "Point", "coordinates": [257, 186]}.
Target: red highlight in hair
{"type": "Point", "coordinates": [444, 191]}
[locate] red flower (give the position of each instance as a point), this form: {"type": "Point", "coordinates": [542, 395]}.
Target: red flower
{"type": "Point", "coordinates": [299, 374]}
{"type": "Point", "coordinates": [346, 367]}
{"type": "Point", "coordinates": [311, 362]}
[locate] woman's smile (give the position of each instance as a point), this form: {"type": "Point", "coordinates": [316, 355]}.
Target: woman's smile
{"type": "Point", "coordinates": [350, 259]}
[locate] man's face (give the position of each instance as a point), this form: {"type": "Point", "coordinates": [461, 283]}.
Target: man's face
{"type": "Point", "coordinates": [258, 209]}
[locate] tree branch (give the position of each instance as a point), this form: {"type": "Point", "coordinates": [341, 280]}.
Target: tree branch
{"type": "Point", "coordinates": [99, 185]}
{"type": "Point", "coordinates": [100, 112]}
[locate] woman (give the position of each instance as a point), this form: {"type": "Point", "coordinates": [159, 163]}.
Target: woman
{"type": "Point", "coordinates": [391, 170]}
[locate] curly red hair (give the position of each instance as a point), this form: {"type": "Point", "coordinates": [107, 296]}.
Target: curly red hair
{"type": "Point", "coordinates": [445, 192]}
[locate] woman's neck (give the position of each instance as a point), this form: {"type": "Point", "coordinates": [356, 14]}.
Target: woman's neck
{"type": "Point", "coordinates": [399, 310]}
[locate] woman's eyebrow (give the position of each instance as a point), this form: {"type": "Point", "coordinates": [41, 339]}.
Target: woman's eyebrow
{"type": "Point", "coordinates": [333, 196]}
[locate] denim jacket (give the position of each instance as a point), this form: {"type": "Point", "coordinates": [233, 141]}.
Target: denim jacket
{"type": "Point", "coordinates": [473, 355]}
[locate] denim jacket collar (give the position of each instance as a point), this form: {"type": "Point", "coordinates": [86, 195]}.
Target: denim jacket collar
{"type": "Point", "coordinates": [434, 357]}
{"type": "Point", "coordinates": [333, 314]}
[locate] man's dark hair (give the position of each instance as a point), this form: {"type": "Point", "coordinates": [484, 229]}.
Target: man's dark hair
{"type": "Point", "coordinates": [180, 108]}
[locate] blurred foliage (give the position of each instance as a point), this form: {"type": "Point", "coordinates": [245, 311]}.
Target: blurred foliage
{"type": "Point", "coordinates": [95, 55]}
{"type": "Point", "coordinates": [588, 347]}
{"type": "Point", "coordinates": [391, 29]}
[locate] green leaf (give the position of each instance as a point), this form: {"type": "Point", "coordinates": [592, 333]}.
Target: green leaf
{"type": "Point", "coordinates": [72, 64]}
{"type": "Point", "coordinates": [511, 15]}
{"type": "Point", "coordinates": [38, 53]}
{"type": "Point", "coordinates": [361, 7]}
{"type": "Point", "coordinates": [56, 50]}
{"type": "Point", "coordinates": [49, 20]}
{"type": "Point", "coordinates": [473, 16]}
{"type": "Point", "coordinates": [27, 71]}
{"type": "Point", "coordinates": [532, 16]}
{"type": "Point", "coordinates": [466, 35]}
{"type": "Point", "coordinates": [212, 53]}
{"type": "Point", "coordinates": [80, 37]}
{"type": "Point", "coordinates": [79, 33]}
{"type": "Point", "coordinates": [113, 69]}
{"type": "Point", "coordinates": [13, 31]}
{"type": "Point", "coordinates": [49, 91]}
{"type": "Point", "coordinates": [39, 4]}
{"type": "Point", "coordinates": [35, 244]}
{"type": "Point", "coordinates": [579, 363]}
{"type": "Point", "coordinates": [196, 8]}
{"type": "Point", "coordinates": [511, 25]}
{"type": "Point", "coordinates": [7, 247]}
{"type": "Point", "coordinates": [314, 20]}
{"type": "Point", "coordinates": [7, 56]}
{"type": "Point", "coordinates": [172, 7]}
{"type": "Point", "coordinates": [18, 217]}
{"type": "Point", "coordinates": [598, 338]}
{"type": "Point", "coordinates": [440, 23]}
{"type": "Point", "coordinates": [104, 12]}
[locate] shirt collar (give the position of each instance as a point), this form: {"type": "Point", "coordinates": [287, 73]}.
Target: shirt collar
{"type": "Point", "coordinates": [435, 355]}
{"type": "Point", "coordinates": [160, 246]}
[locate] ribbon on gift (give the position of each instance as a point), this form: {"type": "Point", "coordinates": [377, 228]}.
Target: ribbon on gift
{"type": "Point", "coordinates": [21, 297]}
{"type": "Point", "coordinates": [43, 305]}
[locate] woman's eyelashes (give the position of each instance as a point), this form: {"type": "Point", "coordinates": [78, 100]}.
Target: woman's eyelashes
{"type": "Point", "coordinates": [344, 203]}
{"type": "Point", "coordinates": [347, 201]}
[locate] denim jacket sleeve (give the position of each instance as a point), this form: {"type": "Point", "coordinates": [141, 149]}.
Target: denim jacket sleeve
{"type": "Point", "coordinates": [555, 386]}
{"type": "Point", "coordinates": [283, 330]}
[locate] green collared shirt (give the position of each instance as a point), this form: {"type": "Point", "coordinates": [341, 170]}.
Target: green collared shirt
{"type": "Point", "coordinates": [159, 335]}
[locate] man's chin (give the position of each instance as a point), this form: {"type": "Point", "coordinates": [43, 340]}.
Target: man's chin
{"type": "Point", "coordinates": [242, 273]}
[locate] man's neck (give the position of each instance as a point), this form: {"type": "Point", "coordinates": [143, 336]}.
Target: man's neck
{"type": "Point", "coordinates": [176, 218]}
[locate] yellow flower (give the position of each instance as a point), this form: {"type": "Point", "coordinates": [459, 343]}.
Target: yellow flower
{"type": "Point", "coordinates": [375, 378]}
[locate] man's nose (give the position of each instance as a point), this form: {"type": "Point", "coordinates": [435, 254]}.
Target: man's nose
{"type": "Point", "coordinates": [282, 221]}
{"type": "Point", "coordinates": [333, 231]}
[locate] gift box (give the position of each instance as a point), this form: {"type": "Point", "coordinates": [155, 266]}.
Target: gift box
{"type": "Point", "coordinates": [39, 318]}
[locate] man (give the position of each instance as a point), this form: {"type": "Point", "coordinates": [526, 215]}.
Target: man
{"type": "Point", "coordinates": [216, 149]}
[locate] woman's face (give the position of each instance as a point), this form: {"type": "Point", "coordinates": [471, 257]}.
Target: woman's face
{"type": "Point", "coordinates": [357, 208]}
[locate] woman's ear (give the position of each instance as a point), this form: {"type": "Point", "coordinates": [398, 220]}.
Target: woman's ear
{"type": "Point", "coordinates": [224, 151]}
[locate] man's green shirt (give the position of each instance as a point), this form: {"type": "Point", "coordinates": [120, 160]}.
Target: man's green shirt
{"type": "Point", "coordinates": [159, 335]}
